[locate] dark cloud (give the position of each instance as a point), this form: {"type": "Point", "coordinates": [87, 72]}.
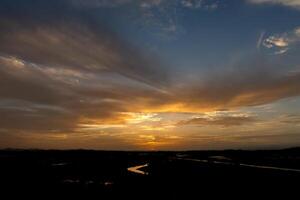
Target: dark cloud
{"type": "Point", "coordinates": [28, 84]}
{"type": "Point", "coordinates": [36, 118]}
{"type": "Point", "coordinates": [73, 40]}
{"type": "Point", "coordinates": [57, 55]}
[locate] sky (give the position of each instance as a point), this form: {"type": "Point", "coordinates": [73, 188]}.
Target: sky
{"type": "Point", "coordinates": [149, 74]}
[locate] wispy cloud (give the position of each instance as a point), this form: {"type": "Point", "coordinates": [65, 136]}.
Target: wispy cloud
{"type": "Point", "coordinates": [290, 3]}
{"type": "Point", "coordinates": [260, 39]}
{"type": "Point", "coordinates": [223, 119]}
{"type": "Point", "coordinates": [99, 3]}
{"type": "Point", "coordinates": [161, 17]}
{"type": "Point", "coordinates": [200, 4]}
{"type": "Point", "coordinates": [290, 119]}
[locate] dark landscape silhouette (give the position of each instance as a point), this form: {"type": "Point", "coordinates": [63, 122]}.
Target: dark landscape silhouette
{"type": "Point", "coordinates": [88, 174]}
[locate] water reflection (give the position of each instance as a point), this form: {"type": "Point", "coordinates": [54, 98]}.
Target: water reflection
{"type": "Point", "coordinates": [136, 169]}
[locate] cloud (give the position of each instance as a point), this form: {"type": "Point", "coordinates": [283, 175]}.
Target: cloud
{"type": "Point", "coordinates": [281, 43]}
{"type": "Point", "coordinates": [74, 65]}
{"type": "Point", "coordinates": [68, 73]}
{"type": "Point", "coordinates": [276, 41]}
{"type": "Point", "coordinates": [150, 3]}
{"type": "Point", "coordinates": [291, 3]}
{"type": "Point", "coordinates": [39, 98]}
{"type": "Point", "coordinates": [221, 118]}
{"type": "Point", "coordinates": [159, 17]}
{"type": "Point", "coordinates": [49, 98]}
{"type": "Point", "coordinates": [200, 4]}
{"type": "Point", "coordinates": [249, 82]}
{"type": "Point", "coordinates": [260, 39]}
{"type": "Point", "coordinates": [290, 119]}
{"type": "Point", "coordinates": [99, 3]}
{"type": "Point", "coordinates": [219, 121]}
{"type": "Point", "coordinates": [78, 47]}
{"type": "Point", "coordinates": [281, 51]}
{"type": "Point", "coordinates": [192, 3]}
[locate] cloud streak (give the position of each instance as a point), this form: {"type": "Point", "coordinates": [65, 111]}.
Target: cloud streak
{"type": "Point", "coordinates": [223, 119]}
{"type": "Point", "coordinates": [78, 47]}
{"type": "Point", "coordinates": [290, 3]}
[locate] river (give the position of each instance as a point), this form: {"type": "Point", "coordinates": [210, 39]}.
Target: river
{"type": "Point", "coordinates": [136, 169]}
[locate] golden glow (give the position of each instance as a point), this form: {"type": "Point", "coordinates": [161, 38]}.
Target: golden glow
{"type": "Point", "coordinates": [100, 126]}
{"type": "Point", "coordinates": [137, 118]}
{"type": "Point", "coordinates": [13, 62]}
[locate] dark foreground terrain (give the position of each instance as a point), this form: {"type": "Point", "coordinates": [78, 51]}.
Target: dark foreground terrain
{"type": "Point", "coordinates": [167, 175]}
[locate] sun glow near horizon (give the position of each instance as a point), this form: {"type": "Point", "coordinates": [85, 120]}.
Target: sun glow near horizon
{"type": "Point", "coordinates": [159, 75]}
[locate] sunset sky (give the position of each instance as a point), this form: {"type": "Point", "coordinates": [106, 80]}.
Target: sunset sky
{"type": "Point", "coordinates": [149, 74]}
